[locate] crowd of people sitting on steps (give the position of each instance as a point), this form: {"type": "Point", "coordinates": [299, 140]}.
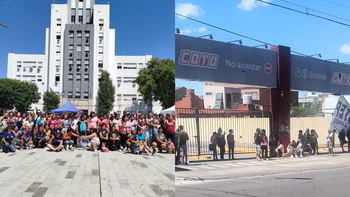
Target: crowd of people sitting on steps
{"type": "Point", "coordinates": [130, 132]}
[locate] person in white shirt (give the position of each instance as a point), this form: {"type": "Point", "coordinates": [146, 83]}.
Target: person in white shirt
{"type": "Point", "coordinates": [330, 142]}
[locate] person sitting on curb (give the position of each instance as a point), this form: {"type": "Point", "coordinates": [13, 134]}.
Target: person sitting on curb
{"type": "Point", "coordinates": [292, 149]}
{"type": "Point", "coordinates": [280, 149]}
{"type": "Point", "coordinates": [55, 144]}
{"type": "Point", "coordinates": [300, 149]}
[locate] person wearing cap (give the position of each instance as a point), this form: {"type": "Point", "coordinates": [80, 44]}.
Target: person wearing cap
{"type": "Point", "coordinates": [55, 144]}
{"type": "Point", "coordinates": [8, 140]}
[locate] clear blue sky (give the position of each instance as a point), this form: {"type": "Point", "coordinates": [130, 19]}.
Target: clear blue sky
{"type": "Point", "coordinates": [307, 35]}
{"type": "Point", "coordinates": [143, 27]}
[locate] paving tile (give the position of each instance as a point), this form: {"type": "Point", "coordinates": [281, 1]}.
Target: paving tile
{"type": "Point", "coordinates": [95, 172]}
{"type": "Point", "coordinates": [157, 190]}
{"type": "Point", "coordinates": [170, 193]}
{"type": "Point", "coordinates": [62, 163]}
{"type": "Point", "coordinates": [3, 169]}
{"type": "Point", "coordinates": [57, 161]}
{"type": "Point", "coordinates": [70, 175]}
{"type": "Point", "coordinates": [32, 153]}
{"type": "Point", "coordinates": [33, 187]}
{"type": "Point", "coordinates": [79, 155]}
{"type": "Point", "coordinates": [40, 192]}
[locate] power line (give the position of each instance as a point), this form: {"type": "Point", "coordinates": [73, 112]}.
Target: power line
{"type": "Point", "coordinates": [337, 3]}
{"type": "Point", "coordinates": [198, 21]}
{"type": "Point", "coordinates": [307, 9]}
{"type": "Point", "coordinates": [308, 14]}
{"type": "Point", "coordinates": [216, 27]}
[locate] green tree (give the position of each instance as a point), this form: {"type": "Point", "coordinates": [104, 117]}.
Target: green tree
{"type": "Point", "coordinates": [18, 94]}
{"type": "Point", "coordinates": [51, 100]}
{"type": "Point", "coordinates": [306, 110]}
{"type": "Point", "coordinates": [106, 93]}
{"type": "Point", "coordinates": [157, 82]}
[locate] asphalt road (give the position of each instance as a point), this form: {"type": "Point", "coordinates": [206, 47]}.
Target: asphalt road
{"type": "Point", "coordinates": [323, 178]}
{"type": "Point", "coordinates": [327, 183]}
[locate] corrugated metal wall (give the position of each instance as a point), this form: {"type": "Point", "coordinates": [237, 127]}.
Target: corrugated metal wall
{"type": "Point", "coordinates": [243, 130]}
{"type": "Point", "coordinates": [320, 124]}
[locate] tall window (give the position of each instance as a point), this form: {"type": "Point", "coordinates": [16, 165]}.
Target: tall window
{"type": "Point", "coordinates": [72, 19]}
{"type": "Point", "coordinates": [80, 19]}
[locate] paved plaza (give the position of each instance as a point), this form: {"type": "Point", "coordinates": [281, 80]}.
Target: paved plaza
{"type": "Point", "coordinates": [39, 172]}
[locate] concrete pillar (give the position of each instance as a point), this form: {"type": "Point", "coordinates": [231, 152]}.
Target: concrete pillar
{"type": "Point", "coordinates": [280, 96]}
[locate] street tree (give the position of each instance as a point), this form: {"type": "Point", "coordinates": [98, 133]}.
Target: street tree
{"type": "Point", "coordinates": [18, 94]}
{"type": "Point", "coordinates": [157, 82]}
{"type": "Point", "coordinates": [51, 100]}
{"type": "Point", "coordinates": [307, 109]}
{"type": "Point", "coordinates": [106, 93]}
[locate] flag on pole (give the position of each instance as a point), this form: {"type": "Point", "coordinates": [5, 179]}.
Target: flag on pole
{"type": "Point", "coordinates": [76, 90]}
{"type": "Point", "coordinates": [63, 93]}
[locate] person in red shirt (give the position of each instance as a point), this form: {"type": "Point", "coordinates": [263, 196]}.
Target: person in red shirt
{"type": "Point", "coordinates": [170, 128]}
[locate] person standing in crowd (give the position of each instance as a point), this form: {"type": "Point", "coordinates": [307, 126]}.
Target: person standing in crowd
{"type": "Point", "coordinates": [257, 142]}
{"type": "Point", "coordinates": [264, 143]}
{"type": "Point", "coordinates": [134, 125]}
{"type": "Point", "coordinates": [124, 131]}
{"type": "Point", "coordinates": [300, 149]}
{"type": "Point", "coordinates": [8, 140]}
{"type": "Point", "coordinates": [272, 144]}
{"type": "Point", "coordinates": [82, 126]}
{"type": "Point", "coordinates": [114, 139]}
{"type": "Point", "coordinates": [170, 128]}
{"type": "Point", "coordinates": [301, 136]}
{"type": "Point", "coordinates": [220, 138]}
{"type": "Point", "coordinates": [40, 138]}
{"type": "Point", "coordinates": [313, 141]}
{"type": "Point", "coordinates": [213, 144]}
{"type": "Point", "coordinates": [65, 123]}
{"type": "Point", "coordinates": [348, 136]}
{"type": "Point", "coordinates": [151, 127]}
{"type": "Point", "coordinates": [93, 120]}
{"type": "Point", "coordinates": [55, 144]}
{"type": "Point", "coordinates": [47, 130]}
{"type": "Point", "coordinates": [342, 140]}
{"type": "Point", "coordinates": [182, 142]}
{"type": "Point", "coordinates": [231, 144]}
{"type": "Point", "coordinates": [329, 139]}
{"type": "Point", "coordinates": [176, 143]}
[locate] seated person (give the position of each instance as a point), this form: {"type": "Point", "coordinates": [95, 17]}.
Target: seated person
{"type": "Point", "coordinates": [40, 138]}
{"type": "Point", "coordinates": [17, 133]}
{"type": "Point", "coordinates": [133, 144]}
{"type": "Point", "coordinates": [114, 139]}
{"type": "Point", "coordinates": [8, 140]}
{"type": "Point", "coordinates": [47, 130]}
{"type": "Point", "coordinates": [280, 149]}
{"type": "Point", "coordinates": [141, 138]}
{"type": "Point", "coordinates": [95, 141]}
{"type": "Point", "coordinates": [55, 144]}
{"type": "Point", "coordinates": [160, 142]}
{"type": "Point", "coordinates": [170, 146]}
{"type": "Point", "coordinates": [300, 149]}
{"type": "Point", "coordinates": [25, 138]}
{"type": "Point", "coordinates": [145, 130]}
{"type": "Point", "coordinates": [292, 149]}
{"type": "Point", "coordinates": [67, 137]}
{"type": "Point", "coordinates": [103, 136]}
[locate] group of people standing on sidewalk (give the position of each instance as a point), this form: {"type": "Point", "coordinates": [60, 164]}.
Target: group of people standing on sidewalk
{"type": "Point", "coordinates": [218, 139]}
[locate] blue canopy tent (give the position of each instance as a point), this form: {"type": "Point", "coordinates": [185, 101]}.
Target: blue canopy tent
{"type": "Point", "coordinates": [68, 107]}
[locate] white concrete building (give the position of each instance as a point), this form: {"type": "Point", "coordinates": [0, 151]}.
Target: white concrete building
{"type": "Point", "coordinates": [231, 97]}
{"type": "Point", "coordinates": [79, 44]}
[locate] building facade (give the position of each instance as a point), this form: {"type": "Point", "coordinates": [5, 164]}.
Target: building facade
{"type": "Point", "coordinates": [79, 45]}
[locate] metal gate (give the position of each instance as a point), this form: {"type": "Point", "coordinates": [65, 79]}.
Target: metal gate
{"type": "Point", "coordinates": [200, 125]}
